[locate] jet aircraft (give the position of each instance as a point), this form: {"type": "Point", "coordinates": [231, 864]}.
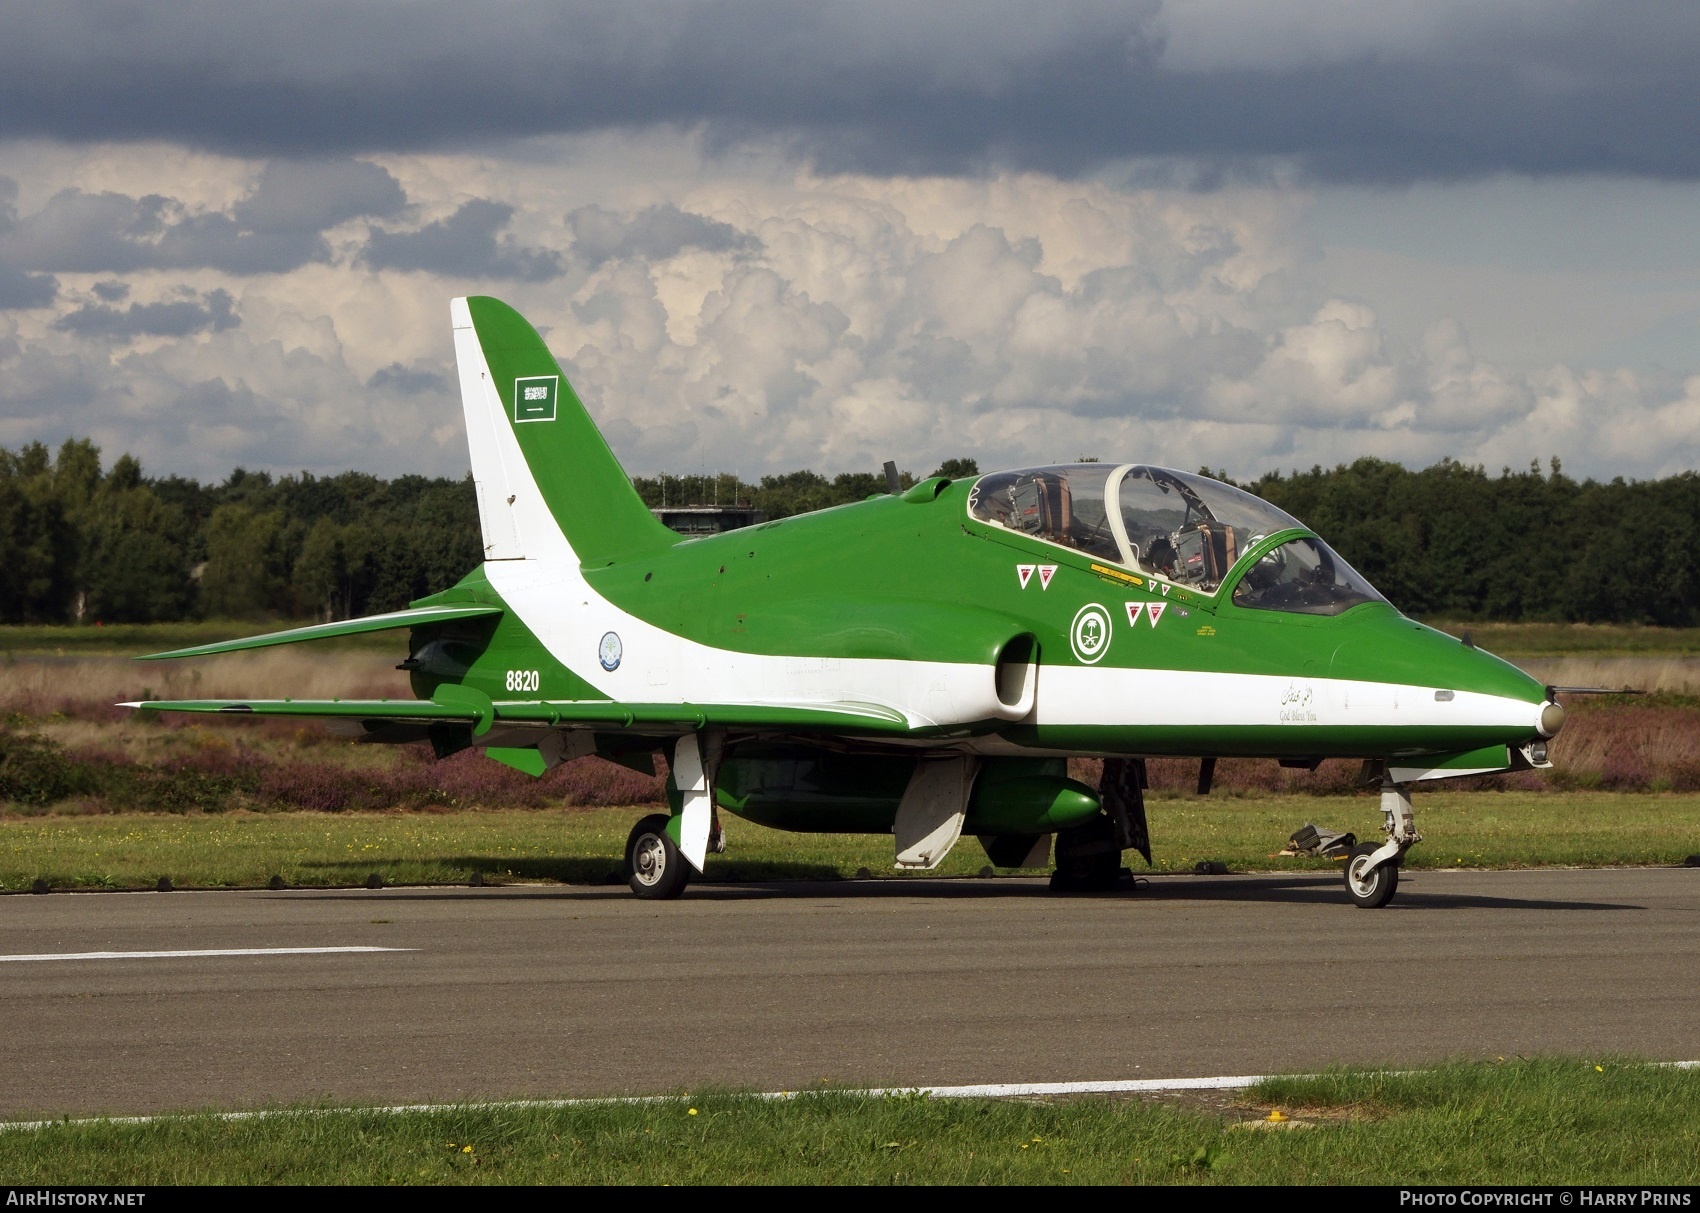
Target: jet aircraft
{"type": "Point", "coordinates": [920, 664]}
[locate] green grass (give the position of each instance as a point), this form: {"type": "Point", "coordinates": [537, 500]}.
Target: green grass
{"type": "Point", "coordinates": [1575, 639]}
{"type": "Point", "coordinates": [584, 846]}
{"type": "Point", "coordinates": [1547, 1121]}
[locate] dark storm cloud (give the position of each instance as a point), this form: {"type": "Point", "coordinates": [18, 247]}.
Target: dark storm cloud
{"type": "Point", "coordinates": [655, 233]}
{"type": "Point", "coordinates": [465, 245]}
{"type": "Point", "coordinates": [409, 380]}
{"type": "Point", "coordinates": [882, 85]}
{"type": "Point", "coordinates": [215, 311]}
{"type": "Point", "coordinates": [276, 228]}
{"type": "Point", "coordinates": [21, 290]}
{"type": "Point", "coordinates": [310, 196]}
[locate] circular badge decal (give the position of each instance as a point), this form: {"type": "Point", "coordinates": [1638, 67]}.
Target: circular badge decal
{"type": "Point", "coordinates": [608, 652]}
{"type": "Point", "coordinates": [1090, 633]}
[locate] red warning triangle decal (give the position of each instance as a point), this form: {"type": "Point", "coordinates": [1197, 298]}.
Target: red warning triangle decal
{"type": "Point", "coordinates": [1134, 611]}
{"type": "Point", "coordinates": [1046, 572]}
{"type": "Point", "coordinates": [1024, 574]}
{"type": "Point", "coordinates": [1155, 611]}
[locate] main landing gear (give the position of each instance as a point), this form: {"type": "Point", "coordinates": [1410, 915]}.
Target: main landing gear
{"type": "Point", "coordinates": [1089, 856]}
{"type": "Point", "coordinates": [655, 867]}
{"type": "Point", "coordinates": [662, 851]}
{"type": "Point", "coordinates": [1372, 872]}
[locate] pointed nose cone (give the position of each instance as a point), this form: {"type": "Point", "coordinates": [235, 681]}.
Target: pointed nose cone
{"type": "Point", "coordinates": [1445, 683]}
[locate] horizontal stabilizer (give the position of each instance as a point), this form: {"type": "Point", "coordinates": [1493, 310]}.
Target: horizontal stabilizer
{"type": "Point", "coordinates": [423, 710]}
{"type": "Point", "coordinates": [416, 617]}
{"type": "Point", "coordinates": [588, 714]}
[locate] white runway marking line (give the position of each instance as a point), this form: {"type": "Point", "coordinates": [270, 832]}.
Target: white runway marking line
{"type": "Point", "coordinates": [999, 1090]}
{"type": "Point", "coordinates": [189, 952]}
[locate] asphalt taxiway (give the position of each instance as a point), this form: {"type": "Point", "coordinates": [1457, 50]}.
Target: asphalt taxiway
{"type": "Point", "coordinates": [426, 995]}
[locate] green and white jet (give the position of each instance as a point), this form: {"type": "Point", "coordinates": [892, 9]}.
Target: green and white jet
{"type": "Point", "coordinates": [920, 664]}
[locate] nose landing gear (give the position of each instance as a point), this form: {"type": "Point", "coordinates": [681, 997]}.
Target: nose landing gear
{"type": "Point", "coordinates": [1368, 886]}
{"type": "Point", "coordinates": [1372, 872]}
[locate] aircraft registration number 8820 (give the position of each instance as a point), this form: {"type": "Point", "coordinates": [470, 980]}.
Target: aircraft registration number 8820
{"type": "Point", "coordinates": [522, 680]}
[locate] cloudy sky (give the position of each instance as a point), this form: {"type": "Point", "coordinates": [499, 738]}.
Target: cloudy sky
{"type": "Point", "coordinates": [765, 234]}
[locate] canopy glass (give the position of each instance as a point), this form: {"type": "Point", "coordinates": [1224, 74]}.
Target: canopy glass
{"type": "Point", "coordinates": [1183, 528]}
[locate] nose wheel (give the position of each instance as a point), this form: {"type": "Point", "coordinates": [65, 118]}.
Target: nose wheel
{"type": "Point", "coordinates": [1372, 872]}
{"type": "Point", "coordinates": [1370, 887]}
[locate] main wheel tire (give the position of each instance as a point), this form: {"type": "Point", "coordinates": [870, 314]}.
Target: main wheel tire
{"type": "Point", "coordinates": [655, 867]}
{"type": "Point", "coordinates": [1088, 859]}
{"type": "Point", "coordinates": [1374, 889]}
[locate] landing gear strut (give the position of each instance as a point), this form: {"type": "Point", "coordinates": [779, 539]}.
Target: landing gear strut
{"type": "Point", "coordinates": [1372, 872]}
{"type": "Point", "coordinates": [1089, 856]}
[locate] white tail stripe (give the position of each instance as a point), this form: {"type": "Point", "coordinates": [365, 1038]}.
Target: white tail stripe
{"type": "Point", "coordinates": [491, 474]}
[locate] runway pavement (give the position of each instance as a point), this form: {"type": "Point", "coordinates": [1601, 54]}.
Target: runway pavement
{"type": "Point", "coordinates": [574, 991]}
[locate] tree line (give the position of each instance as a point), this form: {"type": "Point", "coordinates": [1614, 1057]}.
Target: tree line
{"type": "Point", "coordinates": [80, 542]}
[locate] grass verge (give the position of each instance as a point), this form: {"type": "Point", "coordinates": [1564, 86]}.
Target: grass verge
{"type": "Point", "coordinates": [1574, 639]}
{"type": "Point", "coordinates": [1544, 1121]}
{"type": "Point", "coordinates": [131, 639]}
{"type": "Point", "coordinates": [585, 846]}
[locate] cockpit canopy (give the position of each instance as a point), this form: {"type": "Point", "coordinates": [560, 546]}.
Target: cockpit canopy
{"type": "Point", "coordinates": [1187, 529]}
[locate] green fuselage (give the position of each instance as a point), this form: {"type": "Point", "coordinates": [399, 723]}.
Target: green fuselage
{"type": "Point", "coordinates": [919, 580]}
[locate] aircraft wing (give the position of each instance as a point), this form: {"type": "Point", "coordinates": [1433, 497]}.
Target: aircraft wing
{"type": "Point", "coordinates": [415, 617]}
{"type": "Point", "coordinates": [460, 705]}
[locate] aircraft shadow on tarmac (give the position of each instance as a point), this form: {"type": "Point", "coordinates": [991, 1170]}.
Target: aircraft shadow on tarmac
{"type": "Point", "coordinates": [780, 881]}
{"type": "Point", "coordinates": [596, 870]}
{"type": "Point", "coordinates": [1319, 889]}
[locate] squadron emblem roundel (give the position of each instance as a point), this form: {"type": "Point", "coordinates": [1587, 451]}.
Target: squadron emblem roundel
{"type": "Point", "coordinates": [608, 652]}
{"type": "Point", "coordinates": [1089, 635]}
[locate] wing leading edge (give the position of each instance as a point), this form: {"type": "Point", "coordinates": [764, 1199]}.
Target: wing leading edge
{"type": "Point", "coordinates": [412, 618]}
{"type": "Point", "coordinates": [482, 714]}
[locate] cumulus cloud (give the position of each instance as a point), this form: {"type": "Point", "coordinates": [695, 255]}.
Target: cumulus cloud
{"type": "Point", "coordinates": [1027, 319]}
{"type": "Point", "coordinates": [21, 290]}
{"type": "Point", "coordinates": [467, 244]}
{"type": "Point", "coordinates": [766, 322]}
{"type": "Point", "coordinates": [1347, 91]}
{"type": "Point", "coordinates": [222, 399]}
{"type": "Point", "coordinates": [275, 228]}
{"type": "Point", "coordinates": [656, 233]}
{"type": "Point", "coordinates": [214, 312]}
{"type": "Point", "coordinates": [411, 380]}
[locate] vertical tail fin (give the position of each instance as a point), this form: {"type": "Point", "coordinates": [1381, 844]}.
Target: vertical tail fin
{"type": "Point", "coordinates": [537, 458]}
